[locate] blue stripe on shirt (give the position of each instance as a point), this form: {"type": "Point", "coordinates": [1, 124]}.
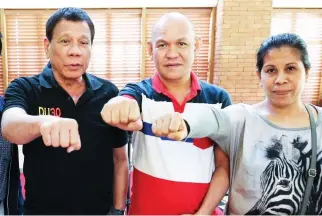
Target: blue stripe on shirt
{"type": "Point", "coordinates": [147, 130]}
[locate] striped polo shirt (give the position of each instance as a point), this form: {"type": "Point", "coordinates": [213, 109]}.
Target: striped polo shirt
{"type": "Point", "coordinates": [170, 177]}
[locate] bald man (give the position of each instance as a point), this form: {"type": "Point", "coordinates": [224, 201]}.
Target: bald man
{"type": "Point", "coordinates": [171, 177]}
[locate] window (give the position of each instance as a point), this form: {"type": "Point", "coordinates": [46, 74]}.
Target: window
{"type": "Point", "coordinates": [117, 47]}
{"type": "Point", "coordinates": [25, 34]}
{"type": "Point", "coordinates": [308, 24]}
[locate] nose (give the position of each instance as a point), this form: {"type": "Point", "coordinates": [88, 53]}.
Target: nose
{"type": "Point", "coordinates": [74, 50]}
{"type": "Point", "coordinates": [281, 78]}
{"type": "Point", "coordinates": [172, 52]}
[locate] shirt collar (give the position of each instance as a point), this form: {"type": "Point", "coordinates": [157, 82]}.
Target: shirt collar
{"type": "Point", "coordinates": [160, 88]}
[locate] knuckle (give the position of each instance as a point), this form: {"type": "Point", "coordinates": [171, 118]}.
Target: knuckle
{"type": "Point", "coordinates": [165, 132]}
{"type": "Point", "coordinates": [123, 113]}
{"type": "Point", "coordinates": [124, 120]}
{"type": "Point", "coordinates": [134, 105]}
{"type": "Point", "coordinates": [108, 106]}
{"type": "Point", "coordinates": [45, 140]}
{"type": "Point", "coordinates": [132, 102]}
{"type": "Point", "coordinates": [106, 117]}
{"type": "Point", "coordinates": [43, 128]}
{"type": "Point", "coordinates": [121, 104]}
{"type": "Point", "coordinates": [64, 144]}
{"type": "Point", "coordinates": [115, 121]}
{"type": "Point", "coordinates": [54, 126]}
{"type": "Point", "coordinates": [73, 123]}
{"type": "Point", "coordinates": [172, 128]}
{"type": "Point", "coordinates": [161, 120]}
{"type": "Point", "coordinates": [73, 141]}
{"type": "Point", "coordinates": [105, 109]}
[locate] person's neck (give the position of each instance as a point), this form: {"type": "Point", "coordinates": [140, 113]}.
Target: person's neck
{"type": "Point", "coordinates": [74, 87]}
{"type": "Point", "coordinates": [293, 109]}
{"type": "Point", "coordinates": [181, 85]}
{"type": "Point", "coordinates": [179, 88]}
{"type": "Point", "coordinates": [292, 116]}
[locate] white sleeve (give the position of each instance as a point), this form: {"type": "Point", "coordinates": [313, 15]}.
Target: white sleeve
{"type": "Point", "coordinates": [220, 125]}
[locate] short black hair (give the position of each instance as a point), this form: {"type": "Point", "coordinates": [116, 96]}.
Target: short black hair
{"type": "Point", "coordinates": [280, 40]}
{"type": "Point", "coordinates": [69, 14]}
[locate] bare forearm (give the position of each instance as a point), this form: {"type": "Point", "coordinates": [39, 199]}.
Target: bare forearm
{"type": "Point", "coordinates": [217, 190]}
{"type": "Point", "coordinates": [21, 128]}
{"type": "Point", "coordinates": [121, 179]}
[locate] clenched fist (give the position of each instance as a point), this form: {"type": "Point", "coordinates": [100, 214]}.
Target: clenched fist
{"type": "Point", "coordinates": [171, 126]}
{"type": "Point", "coordinates": [122, 112]}
{"type": "Point", "coordinates": [61, 132]}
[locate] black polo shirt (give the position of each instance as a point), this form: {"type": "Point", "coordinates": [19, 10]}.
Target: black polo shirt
{"type": "Point", "coordinates": [58, 182]}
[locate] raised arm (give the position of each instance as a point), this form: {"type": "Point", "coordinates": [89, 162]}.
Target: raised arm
{"type": "Point", "coordinates": [207, 120]}
{"type": "Point", "coordinates": [201, 120]}
{"type": "Point", "coordinates": [20, 128]}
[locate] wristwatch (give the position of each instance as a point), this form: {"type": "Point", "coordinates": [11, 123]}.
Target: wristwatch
{"type": "Point", "coordinates": [114, 211]}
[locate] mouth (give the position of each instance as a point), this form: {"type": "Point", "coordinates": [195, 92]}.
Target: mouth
{"type": "Point", "coordinates": [75, 66]}
{"type": "Point", "coordinates": [173, 65]}
{"type": "Point", "coordinates": [281, 92]}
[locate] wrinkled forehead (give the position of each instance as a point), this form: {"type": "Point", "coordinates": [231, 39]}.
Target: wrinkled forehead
{"type": "Point", "coordinates": [172, 30]}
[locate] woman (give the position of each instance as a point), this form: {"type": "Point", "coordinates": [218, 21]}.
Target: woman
{"type": "Point", "coordinates": [269, 143]}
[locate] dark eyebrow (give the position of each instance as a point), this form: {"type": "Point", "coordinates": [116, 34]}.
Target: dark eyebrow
{"type": "Point", "coordinates": [291, 63]}
{"type": "Point", "coordinates": [268, 66]}
{"type": "Point", "coordinates": [83, 36]}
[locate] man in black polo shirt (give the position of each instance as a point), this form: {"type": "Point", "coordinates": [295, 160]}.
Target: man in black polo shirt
{"type": "Point", "coordinates": [74, 162]}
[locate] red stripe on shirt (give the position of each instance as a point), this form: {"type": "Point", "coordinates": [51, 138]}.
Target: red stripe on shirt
{"type": "Point", "coordinates": [155, 196]}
